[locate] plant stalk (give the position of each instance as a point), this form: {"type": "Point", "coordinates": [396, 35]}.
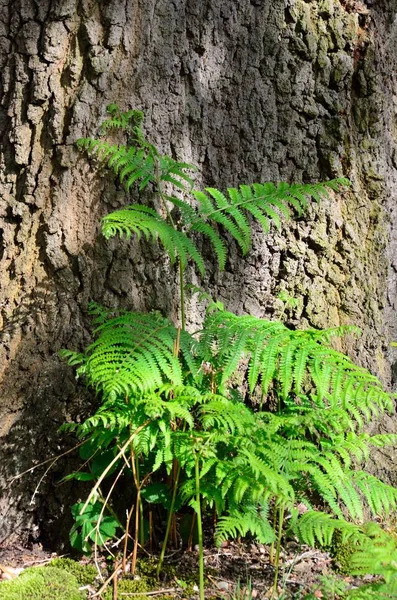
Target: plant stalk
{"type": "Point", "coordinates": [141, 536]}
{"type": "Point", "coordinates": [279, 536]}
{"type": "Point", "coordinates": [182, 295]}
{"type": "Point", "coordinates": [199, 527]}
{"type": "Point", "coordinates": [271, 551]}
{"type": "Point", "coordinates": [169, 521]}
{"type": "Point", "coordinates": [136, 542]}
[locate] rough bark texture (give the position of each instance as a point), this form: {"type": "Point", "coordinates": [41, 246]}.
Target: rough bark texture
{"type": "Point", "coordinates": [246, 89]}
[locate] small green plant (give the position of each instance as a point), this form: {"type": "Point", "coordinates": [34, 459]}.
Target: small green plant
{"type": "Point", "coordinates": [330, 587]}
{"type": "Point", "coordinates": [172, 429]}
{"type": "Point", "coordinates": [91, 526]}
{"type": "Point", "coordinates": [242, 592]}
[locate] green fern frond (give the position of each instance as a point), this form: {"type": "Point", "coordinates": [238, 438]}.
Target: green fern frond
{"type": "Point", "coordinates": [133, 353]}
{"type": "Point", "coordinates": [277, 484]}
{"type": "Point", "coordinates": [375, 554]}
{"type": "Point", "coordinates": [342, 482]}
{"type": "Point", "coordinates": [318, 527]}
{"type": "Point", "coordinates": [222, 219]}
{"type": "Point", "coordinates": [176, 172]}
{"type": "Point", "coordinates": [295, 361]}
{"type": "Point", "coordinates": [381, 498]}
{"type": "Point", "coordinates": [252, 520]}
{"type": "Point", "coordinates": [265, 202]}
{"type": "Point", "coordinates": [126, 120]}
{"type": "Point", "coordinates": [218, 244]}
{"type": "Point", "coordinates": [221, 413]}
{"type": "Point", "coordinates": [73, 358]}
{"type": "Point", "coordinates": [129, 163]}
{"type": "Point", "coordinates": [142, 220]}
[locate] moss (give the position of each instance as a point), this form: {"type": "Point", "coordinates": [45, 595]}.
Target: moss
{"type": "Point", "coordinates": [146, 581]}
{"type": "Point", "coordinates": [42, 583]}
{"type": "Point", "coordinates": [134, 586]}
{"type": "Point", "coordinates": [341, 553]}
{"type": "Point", "coordinates": [85, 574]}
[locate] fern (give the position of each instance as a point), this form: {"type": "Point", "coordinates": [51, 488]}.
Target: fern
{"type": "Point", "coordinates": [169, 410]}
{"type": "Point", "coordinates": [264, 202]}
{"type": "Point", "coordinates": [380, 497]}
{"type": "Point", "coordinates": [376, 554]}
{"type": "Point", "coordinates": [129, 120]}
{"type": "Point", "coordinates": [253, 520]}
{"type": "Point", "coordinates": [141, 162]}
{"type": "Point", "coordinates": [371, 552]}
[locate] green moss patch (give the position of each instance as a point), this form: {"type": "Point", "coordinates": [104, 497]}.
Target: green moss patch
{"type": "Point", "coordinates": [134, 586]}
{"type": "Point", "coordinates": [42, 583]}
{"type": "Point", "coordinates": [85, 574]}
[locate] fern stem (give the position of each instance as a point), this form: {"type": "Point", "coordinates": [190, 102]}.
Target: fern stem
{"type": "Point", "coordinates": [127, 528]}
{"type": "Point", "coordinates": [141, 536]}
{"type": "Point", "coordinates": [135, 472]}
{"type": "Point", "coordinates": [182, 295]}
{"type": "Point", "coordinates": [199, 526]}
{"type": "Point", "coordinates": [174, 484]}
{"type": "Point", "coordinates": [169, 521]}
{"type": "Point", "coordinates": [163, 198]}
{"type": "Point", "coordinates": [279, 536]}
{"type": "Point", "coordinates": [136, 534]}
{"type": "Point", "coordinates": [271, 552]}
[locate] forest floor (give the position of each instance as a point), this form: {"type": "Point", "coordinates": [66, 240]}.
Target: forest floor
{"type": "Point", "coordinates": [236, 571]}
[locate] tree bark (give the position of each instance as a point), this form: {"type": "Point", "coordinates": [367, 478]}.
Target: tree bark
{"type": "Point", "coordinates": [249, 90]}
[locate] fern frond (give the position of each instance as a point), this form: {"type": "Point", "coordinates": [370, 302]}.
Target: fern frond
{"type": "Point", "coordinates": [341, 481]}
{"type": "Point", "coordinates": [206, 205]}
{"type": "Point", "coordinates": [375, 554]}
{"type": "Point", "coordinates": [175, 172]}
{"type": "Point", "coordinates": [252, 520]}
{"type": "Point", "coordinates": [126, 120]}
{"type": "Point", "coordinates": [142, 220]}
{"type": "Point", "coordinates": [381, 498]}
{"type": "Point", "coordinates": [129, 163]}
{"type": "Point", "coordinates": [133, 353]}
{"type": "Point", "coordinates": [73, 358]}
{"type": "Point", "coordinates": [221, 413]}
{"type": "Point", "coordinates": [265, 202]}
{"type": "Point", "coordinates": [318, 527]}
{"type": "Point", "coordinates": [296, 361]}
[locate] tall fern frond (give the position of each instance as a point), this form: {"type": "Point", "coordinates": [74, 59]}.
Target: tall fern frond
{"type": "Point", "coordinates": [380, 497]}
{"type": "Point", "coordinates": [142, 163]}
{"type": "Point", "coordinates": [223, 414]}
{"type": "Point", "coordinates": [129, 120]}
{"type": "Point", "coordinates": [129, 163]}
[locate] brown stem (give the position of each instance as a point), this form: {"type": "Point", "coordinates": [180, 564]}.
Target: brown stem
{"type": "Point", "coordinates": [127, 528]}
{"type": "Point", "coordinates": [136, 540]}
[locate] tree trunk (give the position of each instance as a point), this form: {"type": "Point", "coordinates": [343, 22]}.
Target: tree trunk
{"type": "Point", "coordinates": [248, 90]}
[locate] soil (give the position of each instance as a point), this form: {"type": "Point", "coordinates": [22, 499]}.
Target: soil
{"type": "Point", "coordinates": [231, 571]}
